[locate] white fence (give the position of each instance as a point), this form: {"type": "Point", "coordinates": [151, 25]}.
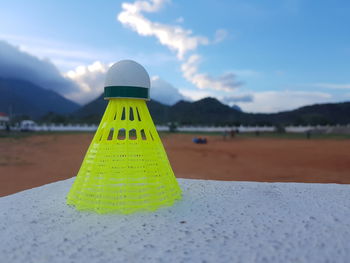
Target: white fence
{"type": "Point", "coordinates": [242, 129]}
{"type": "Point", "coordinates": [57, 127]}
{"type": "Point", "coordinates": [320, 128]}
{"type": "Point", "coordinates": [225, 128]}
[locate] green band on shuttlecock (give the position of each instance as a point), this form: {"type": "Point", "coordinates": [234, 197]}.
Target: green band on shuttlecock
{"type": "Point", "coordinates": [126, 92]}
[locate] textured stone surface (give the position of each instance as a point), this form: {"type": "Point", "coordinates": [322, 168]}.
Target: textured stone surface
{"type": "Point", "coordinates": [215, 222]}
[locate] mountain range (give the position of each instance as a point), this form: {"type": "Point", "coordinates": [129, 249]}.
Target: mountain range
{"type": "Point", "coordinates": [24, 98]}
{"type": "Point", "coordinates": [210, 111]}
{"type": "Point", "coordinates": [20, 97]}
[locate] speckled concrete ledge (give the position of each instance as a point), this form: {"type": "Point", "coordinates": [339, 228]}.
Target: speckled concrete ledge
{"type": "Point", "coordinates": [215, 222]}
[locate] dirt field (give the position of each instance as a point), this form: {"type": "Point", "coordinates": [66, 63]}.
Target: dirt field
{"type": "Point", "coordinates": [36, 160]}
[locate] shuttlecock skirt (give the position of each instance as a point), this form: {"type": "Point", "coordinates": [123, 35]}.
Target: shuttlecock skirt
{"type": "Point", "coordinates": [126, 168]}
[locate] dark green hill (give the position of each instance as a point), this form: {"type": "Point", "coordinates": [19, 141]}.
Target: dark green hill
{"type": "Point", "coordinates": [318, 114]}
{"type": "Point", "coordinates": [24, 98]}
{"type": "Point", "coordinates": [204, 111]}
{"type": "Point", "coordinates": [210, 111]}
{"type": "Point", "coordinates": [93, 111]}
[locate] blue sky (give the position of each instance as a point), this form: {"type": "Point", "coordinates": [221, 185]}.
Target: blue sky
{"type": "Point", "coordinates": [265, 56]}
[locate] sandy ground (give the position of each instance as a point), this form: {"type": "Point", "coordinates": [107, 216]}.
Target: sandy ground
{"type": "Point", "coordinates": [36, 160]}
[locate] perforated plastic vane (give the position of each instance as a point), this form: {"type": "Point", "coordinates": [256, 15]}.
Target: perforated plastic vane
{"type": "Point", "coordinates": [126, 168]}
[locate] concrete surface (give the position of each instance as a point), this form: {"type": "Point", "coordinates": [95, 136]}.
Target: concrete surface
{"type": "Point", "coordinates": [215, 222]}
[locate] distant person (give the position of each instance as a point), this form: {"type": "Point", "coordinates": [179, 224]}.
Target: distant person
{"type": "Point", "coordinates": [8, 129]}
{"type": "Point", "coordinates": [232, 134]}
{"type": "Point", "coordinates": [308, 134]}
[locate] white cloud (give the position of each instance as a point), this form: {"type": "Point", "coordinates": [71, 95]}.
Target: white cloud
{"type": "Point", "coordinates": [177, 39]}
{"type": "Point", "coordinates": [233, 99]}
{"type": "Point", "coordinates": [220, 35]}
{"type": "Point", "coordinates": [331, 85]}
{"type": "Point", "coordinates": [64, 55]}
{"type": "Point", "coordinates": [275, 101]}
{"type": "Point", "coordinates": [82, 84]}
{"type": "Point", "coordinates": [15, 63]}
{"type": "Point", "coordinates": [226, 82]}
{"type": "Point", "coordinates": [195, 94]}
{"type": "Point", "coordinates": [164, 92]}
{"type": "Point", "coordinates": [90, 80]}
{"type": "Point", "coordinates": [174, 37]}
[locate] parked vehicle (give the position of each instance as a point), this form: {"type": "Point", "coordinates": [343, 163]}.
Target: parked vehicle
{"type": "Point", "coordinates": [200, 140]}
{"type": "Point", "coordinates": [27, 125]}
{"type": "Point", "coordinates": [4, 121]}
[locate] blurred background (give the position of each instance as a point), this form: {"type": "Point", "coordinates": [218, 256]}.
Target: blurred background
{"type": "Point", "coordinates": [241, 90]}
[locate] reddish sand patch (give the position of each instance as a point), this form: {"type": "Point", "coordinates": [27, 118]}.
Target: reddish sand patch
{"type": "Point", "coordinates": [38, 160]}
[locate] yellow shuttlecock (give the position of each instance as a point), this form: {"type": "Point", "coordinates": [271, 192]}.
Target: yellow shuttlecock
{"type": "Point", "coordinates": [126, 168]}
